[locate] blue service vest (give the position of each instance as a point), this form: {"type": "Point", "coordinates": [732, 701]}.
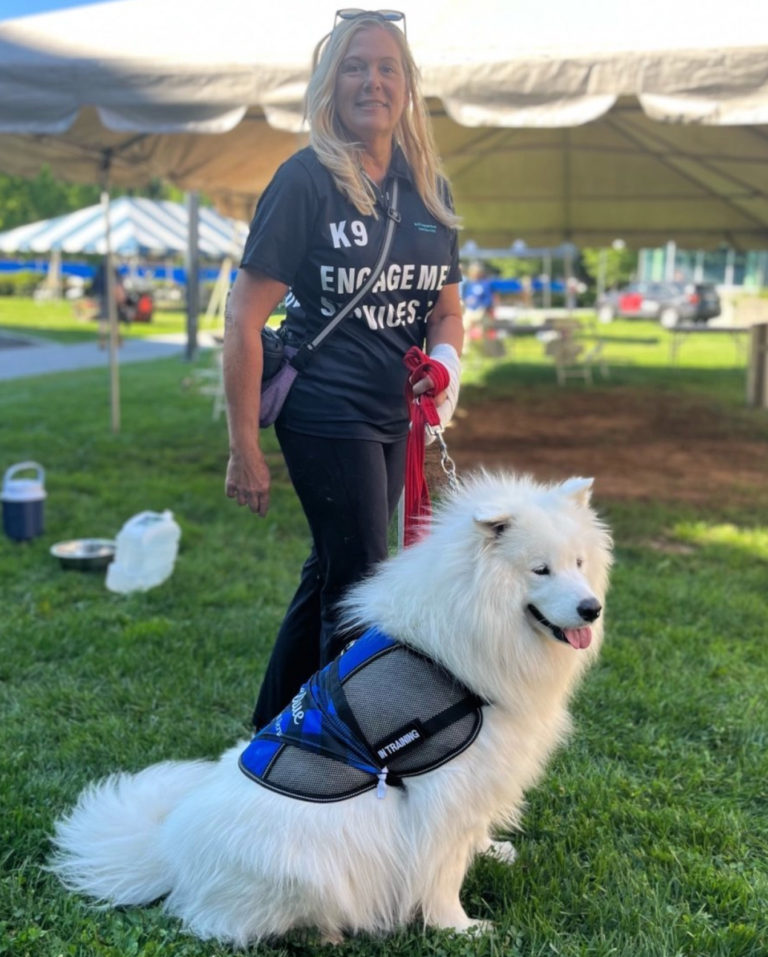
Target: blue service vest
{"type": "Point", "coordinates": [379, 713]}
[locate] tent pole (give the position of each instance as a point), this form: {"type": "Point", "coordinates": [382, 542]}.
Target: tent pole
{"type": "Point", "coordinates": [54, 282]}
{"type": "Point", "coordinates": [569, 282]}
{"type": "Point", "coordinates": [698, 272]}
{"type": "Point", "coordinates": [109, 291]}
{"type": "Point", "coordinates": [601, 270]}
{"type": "Point", "coordinates": [730, 264]}
{"type": "Point", "coordinates": [193, 271]}
{"type": "Point", "coordinates": [218, 300]}
{"type": "Point", "coordinates": [669, 261]}
{"type": "Point", "coordinates": [762, 270]}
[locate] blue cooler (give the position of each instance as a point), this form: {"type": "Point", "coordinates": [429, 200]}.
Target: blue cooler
{"type": "Point", "coordinates": [23, 500]}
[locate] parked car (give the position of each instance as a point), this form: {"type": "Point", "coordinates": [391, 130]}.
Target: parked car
{"type": "Point", "coordinates": [669, 302]}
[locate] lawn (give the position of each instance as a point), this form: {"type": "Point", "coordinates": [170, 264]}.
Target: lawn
{"type": "Point", "coordinates": [57, 322]}
{"type": "Point", "coordinates": [647, 838]}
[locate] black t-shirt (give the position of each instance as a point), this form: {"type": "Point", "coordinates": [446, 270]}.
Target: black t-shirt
{"type": "Point", "coordinates": [308, 235]}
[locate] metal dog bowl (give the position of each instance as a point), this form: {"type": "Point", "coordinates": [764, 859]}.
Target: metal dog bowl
{"type": "Point", "coordinates": [84, 554]}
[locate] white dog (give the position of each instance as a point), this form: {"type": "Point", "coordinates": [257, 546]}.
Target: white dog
{"type": "Point", "coordinates": [505, 593]}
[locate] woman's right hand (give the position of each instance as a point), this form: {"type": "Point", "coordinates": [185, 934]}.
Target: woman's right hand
{"type": "Point", "coordinates": [253, 298]}
{"type": "Point", "coordinates": [248, 479]}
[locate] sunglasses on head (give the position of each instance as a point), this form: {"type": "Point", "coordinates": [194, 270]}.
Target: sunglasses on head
{"type": "Point", "coordinates": [385, 16]}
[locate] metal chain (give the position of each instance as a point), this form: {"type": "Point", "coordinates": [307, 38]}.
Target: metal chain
{"type": "Point", "coordinates": [446, 462]}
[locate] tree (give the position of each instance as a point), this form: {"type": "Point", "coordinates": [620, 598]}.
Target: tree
{"type": "Point", "coordinates": [511, 268]}
{"type": "Point", "coordinates": [619, 265]}
{"type": "Point", "coordinates": [25, 201]}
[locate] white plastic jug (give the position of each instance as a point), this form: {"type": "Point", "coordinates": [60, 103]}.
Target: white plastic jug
{"type": "Point", "coordinates": [145, 552]}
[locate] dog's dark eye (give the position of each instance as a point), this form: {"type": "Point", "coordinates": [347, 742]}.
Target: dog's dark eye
{"type": "Point", "coordinates": [541, 570]}
{"type": "Point", "coordinates": [579, 562]}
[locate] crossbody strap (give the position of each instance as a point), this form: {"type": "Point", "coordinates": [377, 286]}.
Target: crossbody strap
{"type": "Point", "coordinates": [308, 348]}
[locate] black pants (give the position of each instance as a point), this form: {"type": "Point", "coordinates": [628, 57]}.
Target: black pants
{"type": "Point", "coordinates": [349, 490]}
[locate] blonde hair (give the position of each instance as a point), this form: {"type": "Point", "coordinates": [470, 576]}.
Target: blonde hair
{"type": "Point", "coordinates": [413, 134]}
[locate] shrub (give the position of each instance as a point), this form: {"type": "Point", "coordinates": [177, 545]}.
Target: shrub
{"type": "Point", "coordinates": [22, 283]}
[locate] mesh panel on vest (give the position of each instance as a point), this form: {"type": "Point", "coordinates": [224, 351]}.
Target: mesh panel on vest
{"type": "Point", "coordinates": [407, 686]}
{"type": "Point", "coordinates": [438, 749]}
{"type": "Point", "coordinates": [320, 778]}
{"type": "Point", "coordinates": [357, 717]}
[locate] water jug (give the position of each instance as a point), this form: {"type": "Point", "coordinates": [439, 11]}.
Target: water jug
{"type": "Point", "coordinates": [145, 552]}
{"type": "Point", "coordinates": [23, 500]}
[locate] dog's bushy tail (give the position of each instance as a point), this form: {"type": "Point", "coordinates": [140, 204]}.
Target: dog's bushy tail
{"type": "Point", "coordinates": [109, 847]}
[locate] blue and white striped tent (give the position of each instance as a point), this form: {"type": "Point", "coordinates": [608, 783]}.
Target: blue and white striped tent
{"type": "Point", "coordinates": [138, 227]}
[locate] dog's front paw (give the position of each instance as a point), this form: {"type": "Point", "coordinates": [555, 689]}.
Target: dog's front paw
{"type": "Point", "coordinates": [502, 851]}
{"type": "Point", "coordinates": [331, 938]}
{"type": "Point", "coordinates": [465, 925]}
{"type": "Point", "coordinates": [480, 927]}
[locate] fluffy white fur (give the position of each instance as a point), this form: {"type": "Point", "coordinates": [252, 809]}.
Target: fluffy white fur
{"type": "Point", "coordinates": [239, 863]}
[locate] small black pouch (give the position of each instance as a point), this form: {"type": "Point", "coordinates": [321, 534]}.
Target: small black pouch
{"type": "Point", "coordinates": [273, 348]}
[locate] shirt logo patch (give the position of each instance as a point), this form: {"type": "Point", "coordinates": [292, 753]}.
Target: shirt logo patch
{"type": "Point", "coordinates": [426, 227]}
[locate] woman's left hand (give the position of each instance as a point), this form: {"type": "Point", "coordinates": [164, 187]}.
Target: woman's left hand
{"type": "Point", "coordinates": [424, 385]}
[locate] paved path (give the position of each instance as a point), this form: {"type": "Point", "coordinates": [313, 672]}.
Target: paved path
{"type": "Point", "coordinates": [21, 358]}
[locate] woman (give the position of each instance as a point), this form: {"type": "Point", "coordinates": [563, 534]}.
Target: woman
{"type": "Point", "coordinates": [314, 239]}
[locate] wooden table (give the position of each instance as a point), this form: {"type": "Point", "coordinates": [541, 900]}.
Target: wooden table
{"type": "Point", "coordinates": [679, 333]}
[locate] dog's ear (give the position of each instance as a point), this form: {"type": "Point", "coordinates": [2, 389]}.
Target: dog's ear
{"type": "Point", "coordinates": [492, 521]}
{"type": "Point", "coordinates": [579, 489]}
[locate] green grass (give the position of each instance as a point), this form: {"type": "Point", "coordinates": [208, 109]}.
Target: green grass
{"type": "Point", "coordinates": [649, 834]}
{"type": "Point", "coordinates": [57, 322]}
{"type": "Point", "coordinates": [642, 344]}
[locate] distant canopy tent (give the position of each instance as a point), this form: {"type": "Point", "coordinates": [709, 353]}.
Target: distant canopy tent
{"type": "Point", "coordinates": [139, 227]}
{"type": "Point", "coordinates": [131, 227]}
{"type": "Point", "coordinates": [545, 283]}
{"type": "Point", "coordinates": [585, 124]}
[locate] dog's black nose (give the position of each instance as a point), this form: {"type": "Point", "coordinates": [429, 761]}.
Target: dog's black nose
{"type": "Point", "coordinates": [589, 609]}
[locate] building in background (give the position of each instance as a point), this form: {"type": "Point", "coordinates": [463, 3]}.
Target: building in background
{"type": "Point", "coordinates": [724, 266]}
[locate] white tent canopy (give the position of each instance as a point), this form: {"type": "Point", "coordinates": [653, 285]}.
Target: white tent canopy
{"type": "Point", "coordinates": [139, 227]}
{"type": "Point", "coordinates": [580, 121]}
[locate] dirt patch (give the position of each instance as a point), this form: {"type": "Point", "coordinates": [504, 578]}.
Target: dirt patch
{"type": "Point", "coordinates": [637, 445]}
{"type": "Point", "coordinates": [669, 547]}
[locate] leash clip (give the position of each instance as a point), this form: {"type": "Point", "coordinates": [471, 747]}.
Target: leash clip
{"type": "Point", "coordinates": [381, 787]}
{"type": "Point", "coordinates": [446, 462]}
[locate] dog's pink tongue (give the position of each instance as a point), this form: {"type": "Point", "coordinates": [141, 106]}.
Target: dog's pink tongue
{"type": "Point", "coordinates": [578, 637]}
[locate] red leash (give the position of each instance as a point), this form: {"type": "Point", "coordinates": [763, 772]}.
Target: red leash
{"type": "Point", "coordinates": [423, 412]}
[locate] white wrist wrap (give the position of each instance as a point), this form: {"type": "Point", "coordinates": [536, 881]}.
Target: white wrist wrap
{"type": "Point", "coordinates": [446, 354]}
